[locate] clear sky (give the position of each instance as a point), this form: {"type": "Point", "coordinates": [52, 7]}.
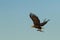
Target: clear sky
{"type": "Point", "coordinates": [15, 23]}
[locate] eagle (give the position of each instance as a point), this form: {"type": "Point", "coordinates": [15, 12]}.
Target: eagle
{"type": "Point", "coordinates": [37, 23]}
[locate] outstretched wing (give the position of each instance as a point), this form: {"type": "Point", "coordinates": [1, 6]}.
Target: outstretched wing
{"type": "Point", "coordinates": [44, 22]}
{"type": "Point", "coordinates": [35, 19]}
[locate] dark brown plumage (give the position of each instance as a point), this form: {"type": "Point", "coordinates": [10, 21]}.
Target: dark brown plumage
{"type": "Point", "coordinates": [36, 22]}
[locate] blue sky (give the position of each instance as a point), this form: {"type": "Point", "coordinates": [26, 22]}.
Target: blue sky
{"type": "Point", "coordinates": [15, 23]}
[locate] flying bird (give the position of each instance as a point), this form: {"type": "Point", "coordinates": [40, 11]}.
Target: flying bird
{"type": "Point", "coordinates": [37, 23]}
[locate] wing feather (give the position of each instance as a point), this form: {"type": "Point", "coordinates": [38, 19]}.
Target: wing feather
{"type": "Point", "coordinates": [44, 22]}
{"type": "Point", "coordinates": [35, 19]}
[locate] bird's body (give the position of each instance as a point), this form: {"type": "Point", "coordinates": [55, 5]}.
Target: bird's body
{"type": "Point", "coordinates": [36, 22]}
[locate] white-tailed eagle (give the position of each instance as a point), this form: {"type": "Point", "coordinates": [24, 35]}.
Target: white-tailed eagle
{"type": "Point", "coordinates": [36, 22]}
